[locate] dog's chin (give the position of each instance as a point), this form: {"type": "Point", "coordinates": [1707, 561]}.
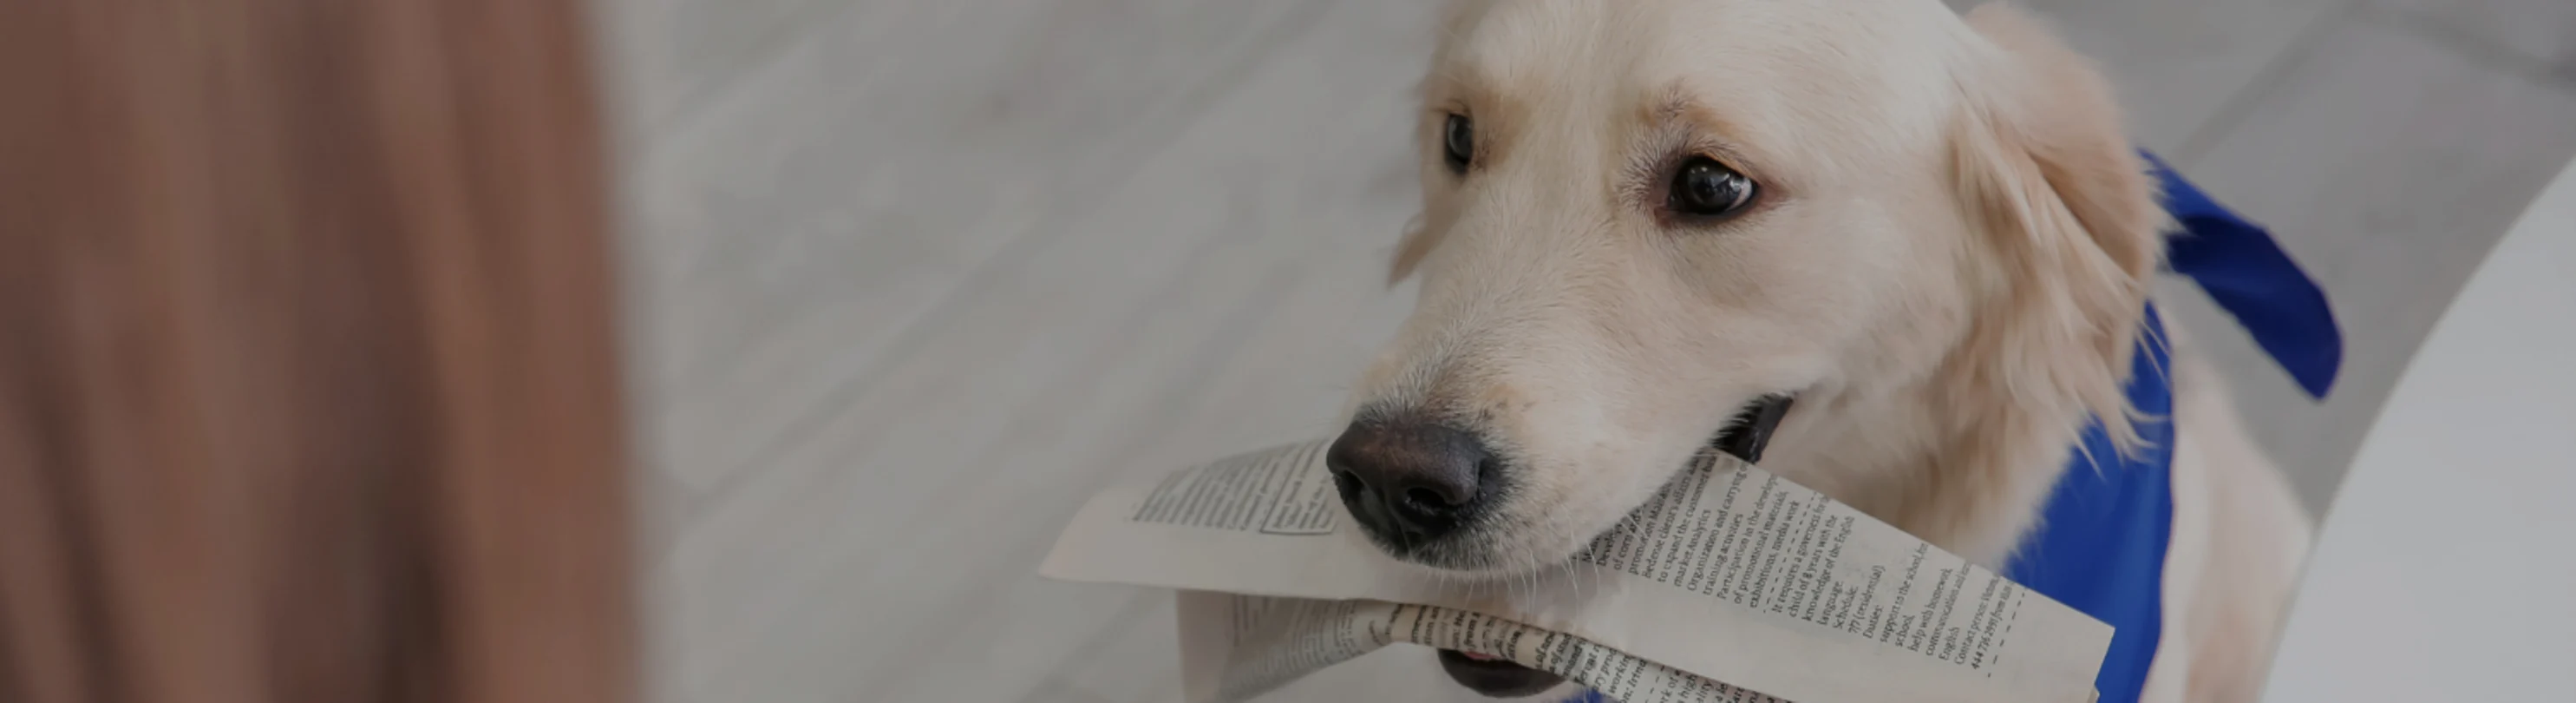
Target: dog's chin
{"type": "Point", "coordinates": [1503, 564]}
{"type": "Point", "coordinates": [1743, 436]}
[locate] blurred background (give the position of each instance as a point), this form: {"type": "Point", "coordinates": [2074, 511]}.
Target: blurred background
{"type": "Point", "coordinates": [906, 281]}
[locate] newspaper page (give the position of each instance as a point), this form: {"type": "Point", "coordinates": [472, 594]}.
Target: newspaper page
{"type": "Point", "coordinates": [1235, 647]}
{"type": "Point", "coordinates": [1729, 573]}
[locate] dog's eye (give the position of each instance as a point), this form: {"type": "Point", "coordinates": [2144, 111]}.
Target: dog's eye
{"type": "Point", "coordinates": [1458, 143]}
{"type": "Point", "coordinates": [1702, 187]}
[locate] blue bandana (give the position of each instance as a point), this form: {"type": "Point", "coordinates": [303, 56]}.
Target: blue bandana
{"type": "Point", "coordinates": [2100, 544]}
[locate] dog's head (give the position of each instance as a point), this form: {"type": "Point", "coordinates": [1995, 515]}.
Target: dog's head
{"type": "Point", "coordinates": [1638, 217]}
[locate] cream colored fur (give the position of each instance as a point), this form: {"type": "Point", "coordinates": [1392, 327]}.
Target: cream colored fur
{"type": "Point", "coordinates": [1946, 266]}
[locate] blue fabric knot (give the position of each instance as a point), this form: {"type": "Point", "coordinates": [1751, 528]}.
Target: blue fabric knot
{"type": "Point", "coordinates": [2248, 275]}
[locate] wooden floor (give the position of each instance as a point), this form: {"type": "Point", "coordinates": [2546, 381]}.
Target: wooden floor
{"type": "Point", "coordinates": [910, 279]}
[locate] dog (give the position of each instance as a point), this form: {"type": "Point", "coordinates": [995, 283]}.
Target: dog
{"type": "Point", "coordinates": [1641, 218]}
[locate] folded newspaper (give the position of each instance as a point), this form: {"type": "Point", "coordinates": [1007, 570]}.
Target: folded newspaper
{"type": "Point", "coordinates": [1731, 584]}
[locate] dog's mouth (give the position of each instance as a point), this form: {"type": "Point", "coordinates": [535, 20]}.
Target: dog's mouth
{"type": "Point", "coordinates": [1744, 436]}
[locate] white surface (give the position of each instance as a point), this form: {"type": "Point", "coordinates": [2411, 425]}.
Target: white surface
{"type": "Point", "coordinates": [2447, 568]}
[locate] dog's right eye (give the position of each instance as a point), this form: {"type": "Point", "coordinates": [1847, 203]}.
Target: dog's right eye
{"type": "Point", "coordinates": [1705, 189]}
{"type": "Point", "coordinates": [1458, 143]}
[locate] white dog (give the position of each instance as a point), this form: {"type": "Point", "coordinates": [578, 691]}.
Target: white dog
{"type": "Point", "coordinates": [1641, 216]}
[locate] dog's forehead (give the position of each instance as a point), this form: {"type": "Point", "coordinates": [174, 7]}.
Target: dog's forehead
{"type": "Point", "coordinates": [1763, 62]}
{"type": "Point", "coordinates": [1524, 36]}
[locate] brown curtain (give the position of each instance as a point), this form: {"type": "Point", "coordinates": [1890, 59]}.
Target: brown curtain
{"type": "Point", "coordinates": [308, 387]}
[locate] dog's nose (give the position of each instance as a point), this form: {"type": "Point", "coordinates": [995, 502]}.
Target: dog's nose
{"type": "Point", "coordinates": [1409, 482]}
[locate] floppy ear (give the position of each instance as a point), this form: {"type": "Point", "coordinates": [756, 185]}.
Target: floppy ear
{"type": "Point", "coordinates": [2044, 170]}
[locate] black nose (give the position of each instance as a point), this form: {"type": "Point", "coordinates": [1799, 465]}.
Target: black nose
{"type": "Point", "coordinates": [1409, 482]}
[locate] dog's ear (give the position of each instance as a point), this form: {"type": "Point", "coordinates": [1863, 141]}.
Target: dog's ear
{"type": "Point", "coordinates": [2044, 169]}
{"type": "Point", "coordinates": [2051, 115]}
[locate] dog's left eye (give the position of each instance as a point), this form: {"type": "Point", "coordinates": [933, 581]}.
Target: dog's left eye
{"type": "Point", "coordinates": [1458, 143]}
{"type": "Point", "coordinates": [1704, 188]}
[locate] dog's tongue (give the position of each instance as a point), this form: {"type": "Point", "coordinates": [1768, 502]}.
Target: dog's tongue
{"type": "Point", "coordinates": [1477, 657]}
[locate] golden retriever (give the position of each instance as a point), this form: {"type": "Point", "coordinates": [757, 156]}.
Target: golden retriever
{"type": "Point", "coordinates": [1640, 216]}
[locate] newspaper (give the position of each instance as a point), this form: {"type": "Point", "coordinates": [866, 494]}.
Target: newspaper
{"type": "Point", "coordinates": [1728, 574]}
{"type": "Point", "coordinates": [1234, 647]}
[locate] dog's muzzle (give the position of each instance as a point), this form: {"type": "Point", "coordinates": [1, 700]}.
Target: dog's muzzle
{"type": "Point", "coordinates": [1743, 437]}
